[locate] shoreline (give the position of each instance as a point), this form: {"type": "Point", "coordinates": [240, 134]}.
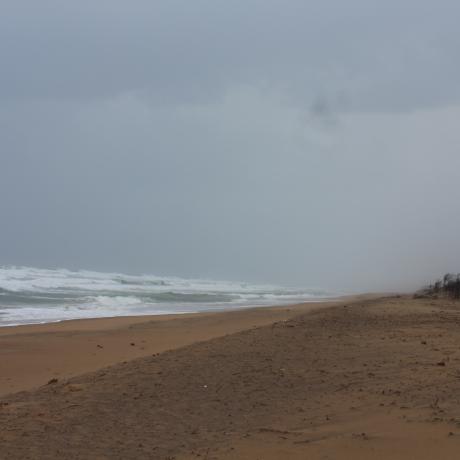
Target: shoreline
{"type": "Point", "coordinates": [158, 315]}
{"type": "Point", "coordinates": [33, 354]}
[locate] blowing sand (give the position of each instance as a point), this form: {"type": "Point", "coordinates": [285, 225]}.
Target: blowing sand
{"type": "Point", "coordinates": [367, 379]}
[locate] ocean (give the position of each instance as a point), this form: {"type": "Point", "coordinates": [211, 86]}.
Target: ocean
{"type": "Point", "coordinates": [34, 295]}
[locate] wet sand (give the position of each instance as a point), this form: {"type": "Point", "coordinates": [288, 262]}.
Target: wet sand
{"type": "Point", "coordinates": [368, 379]}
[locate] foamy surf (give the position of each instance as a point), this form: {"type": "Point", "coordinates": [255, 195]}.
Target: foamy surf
{"type": "Point", "coordinates": [33, 295]}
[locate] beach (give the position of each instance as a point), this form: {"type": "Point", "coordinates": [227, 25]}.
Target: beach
{"type": "Point", "coordinates": [366, 377]}
{"type": "Point", "coordinates": [31, 355]}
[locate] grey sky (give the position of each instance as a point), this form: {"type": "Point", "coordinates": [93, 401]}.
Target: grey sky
{"type": "Point", "coordinates": [301, 142]}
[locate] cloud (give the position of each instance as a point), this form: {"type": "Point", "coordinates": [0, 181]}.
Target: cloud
{"type": "Point", "coordinates": [300, 142]}
{"type": "Point", "coordinates": [383, 57]}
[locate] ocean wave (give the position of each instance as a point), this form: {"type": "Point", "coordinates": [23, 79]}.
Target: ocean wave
{"type": "Point", "coordinates": [30, 294]}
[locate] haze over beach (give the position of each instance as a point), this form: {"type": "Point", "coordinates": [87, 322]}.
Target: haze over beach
{"type": "Point", "coordinates": [306, 143]}
{"type": "Point", "coordinates": [229, 229]}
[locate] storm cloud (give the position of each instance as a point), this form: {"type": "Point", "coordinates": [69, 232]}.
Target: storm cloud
{"type": "Point", "coordinates": [297, 142]}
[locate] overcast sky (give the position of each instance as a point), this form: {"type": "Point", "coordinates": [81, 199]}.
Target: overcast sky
{"type": "Point", "coordinates": [291, 141]}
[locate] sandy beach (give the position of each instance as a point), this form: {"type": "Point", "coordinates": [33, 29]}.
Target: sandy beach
{"type": "Point", "coordinates": [31, 355]}
{"type": "Point", "coordinates": [359, 378]}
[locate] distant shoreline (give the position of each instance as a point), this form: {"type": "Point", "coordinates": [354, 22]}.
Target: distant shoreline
{"type": "Point", "coordinates": [147, 316]}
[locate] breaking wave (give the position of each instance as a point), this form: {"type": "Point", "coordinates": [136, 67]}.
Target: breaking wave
{"type": "Point", "coordinates": [33, 295]}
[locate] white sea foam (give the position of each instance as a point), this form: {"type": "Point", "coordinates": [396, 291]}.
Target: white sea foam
{"type": "Point", "coordinates": [30, 295]}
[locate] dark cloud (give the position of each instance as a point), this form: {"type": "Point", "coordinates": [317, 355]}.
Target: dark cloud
{"type": "Point", "coordinates": [304, 142]}
{"type": "Point", "coordinates": [384, 56]}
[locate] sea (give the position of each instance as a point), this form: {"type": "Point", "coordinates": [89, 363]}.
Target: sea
{"type": "Point", "coordinates": [35, 295]}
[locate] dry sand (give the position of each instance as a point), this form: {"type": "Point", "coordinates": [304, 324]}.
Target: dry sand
{"type": "Point", "coordinates": [32, 355]}
{"type": "Point", "coordinates": [369, 379]}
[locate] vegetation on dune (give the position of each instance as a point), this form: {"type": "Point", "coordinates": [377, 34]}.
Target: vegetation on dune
{"type": "Point", "coordinates": [448, 286]}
